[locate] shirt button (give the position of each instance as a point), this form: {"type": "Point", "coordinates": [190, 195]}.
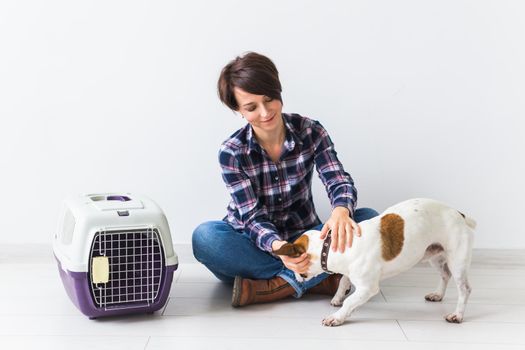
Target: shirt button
{"type": "Point", "coordinates": [280, 199]}
{"type": "Point", "coordinates": [276, 178]}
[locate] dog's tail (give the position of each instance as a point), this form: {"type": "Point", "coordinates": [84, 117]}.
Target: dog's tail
{"type": "Point", "coordinates": [469, 221]}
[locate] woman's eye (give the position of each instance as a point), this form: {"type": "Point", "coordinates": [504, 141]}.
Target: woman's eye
{"type": "Point", "coordinates": [269, 99]}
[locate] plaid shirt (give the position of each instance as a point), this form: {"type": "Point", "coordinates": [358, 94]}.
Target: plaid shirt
{"type": "Point", "coordinates": [274, 200]}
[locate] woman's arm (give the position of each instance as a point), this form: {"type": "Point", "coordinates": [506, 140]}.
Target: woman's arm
{"type": "Point", "coordinates": [252, 213]}
{"type": "Point", "coordinates": [341, 191]}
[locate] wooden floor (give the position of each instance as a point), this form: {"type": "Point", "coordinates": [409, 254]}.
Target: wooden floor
{"type": "Point", "coordinates": [35, 312]}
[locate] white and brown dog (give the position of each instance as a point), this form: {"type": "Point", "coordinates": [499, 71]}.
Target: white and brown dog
{"type": "Point", "coordinates": [403, 235]}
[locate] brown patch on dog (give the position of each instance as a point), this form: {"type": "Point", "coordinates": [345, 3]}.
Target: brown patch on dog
{"type": "Point", "coordinates": [294, 249]}
{"type": "Point", "coordinates": [392, 235]}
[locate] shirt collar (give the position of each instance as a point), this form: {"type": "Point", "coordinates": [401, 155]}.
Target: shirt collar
{"type": "Point", "coordinates": [290, 141]}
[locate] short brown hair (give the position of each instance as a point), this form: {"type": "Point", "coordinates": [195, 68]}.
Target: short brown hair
{"type": "Point", "coordinates": [254, 73]}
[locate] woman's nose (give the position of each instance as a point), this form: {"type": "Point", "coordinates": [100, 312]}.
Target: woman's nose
{"type": "Point", "coordinates": [264, 111]}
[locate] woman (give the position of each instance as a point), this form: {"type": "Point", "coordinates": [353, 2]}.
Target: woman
{"type": "Point", "coordinates": [267, 167]}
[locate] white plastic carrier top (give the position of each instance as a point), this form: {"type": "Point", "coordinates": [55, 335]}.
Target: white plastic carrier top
{"type": "Point", "coordinates": [83, 216]}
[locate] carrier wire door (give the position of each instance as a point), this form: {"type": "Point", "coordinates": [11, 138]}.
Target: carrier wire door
{"type": "Point", "coordinates": [136, 263]}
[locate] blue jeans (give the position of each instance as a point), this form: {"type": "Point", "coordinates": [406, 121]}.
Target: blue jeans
{"type": "Point", "coordinates": [228, 253]}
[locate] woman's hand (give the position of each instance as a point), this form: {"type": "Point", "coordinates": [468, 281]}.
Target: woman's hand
{"type": "Point", "coordinates": [298, 265]}
{"type": "Point", "coordinates": [343, 229]}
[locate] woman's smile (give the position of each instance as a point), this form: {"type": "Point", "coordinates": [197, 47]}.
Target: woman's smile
{"type": "Point", "coordinates": [268, 120]}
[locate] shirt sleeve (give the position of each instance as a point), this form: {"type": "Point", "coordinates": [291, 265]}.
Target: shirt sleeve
{"type": "Point", "coordinates": [252, 214]}
{"type": "Point", "coordinates": [338, 183]}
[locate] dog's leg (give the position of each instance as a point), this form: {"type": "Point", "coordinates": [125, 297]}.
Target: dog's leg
{"type": "Point", "coordinates": [440, 262]}
{"type": "Point", "coordinates": [344, 287]}
{"type": "Point", "coordinates": [363, 292]}
{"type": "Point", "coordinates": [464, 291]}
{"type": "Point", "coordinates": [459, 264]}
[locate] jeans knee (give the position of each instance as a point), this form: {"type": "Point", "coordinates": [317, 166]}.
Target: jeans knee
{"type": "Point", "coordinates": [362, 214]}
{"type": "Point", "coordinates": [200, 238]}
{"type": "Point", "coordinates": [371, 212]}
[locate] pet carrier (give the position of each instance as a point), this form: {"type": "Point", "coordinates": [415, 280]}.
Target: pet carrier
{"type": "Point", "coordinates": [115, 254]}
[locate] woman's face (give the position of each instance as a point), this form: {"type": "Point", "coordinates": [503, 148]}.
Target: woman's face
{"type": "Point", "coordinates": [262, 112]}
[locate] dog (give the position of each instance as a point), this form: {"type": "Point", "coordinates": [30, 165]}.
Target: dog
{"type": "Point", "coordinates": [409, 232]}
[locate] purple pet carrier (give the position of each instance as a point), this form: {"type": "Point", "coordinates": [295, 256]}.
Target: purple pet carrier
{"type": "Point", "coordinates": [115, 254]}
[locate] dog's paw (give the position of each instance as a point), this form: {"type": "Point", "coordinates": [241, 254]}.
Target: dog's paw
{"type": "Point", "coordinates": [332, 321]}
{"type": "Point", "coordinates": [433, 297]}
{"type": "Point", "coordinates": [454, 318]}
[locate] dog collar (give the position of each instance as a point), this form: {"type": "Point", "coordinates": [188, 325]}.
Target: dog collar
{"type": "Point", "coordinates": [325, 251]}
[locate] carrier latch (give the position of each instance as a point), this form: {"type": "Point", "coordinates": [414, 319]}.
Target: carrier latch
{"type": "Point", "coordinates": [100, 269]}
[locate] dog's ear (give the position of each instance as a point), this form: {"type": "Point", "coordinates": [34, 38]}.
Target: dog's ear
{"type": "Point", "coordinates": [289, 249]}
{"type": "Point", "coordinates": [302, 244]}
{"type": "Point", "coordinates": [294, 249]}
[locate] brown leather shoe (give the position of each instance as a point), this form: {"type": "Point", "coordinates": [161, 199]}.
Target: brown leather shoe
{"type": "Point", "coordinates": [327, 286]}
{"type": "Point", "coordinates": [247, 291]}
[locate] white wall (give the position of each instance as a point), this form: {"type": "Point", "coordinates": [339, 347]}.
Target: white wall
{"type": "Point", "coordinates": [422, 98]}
